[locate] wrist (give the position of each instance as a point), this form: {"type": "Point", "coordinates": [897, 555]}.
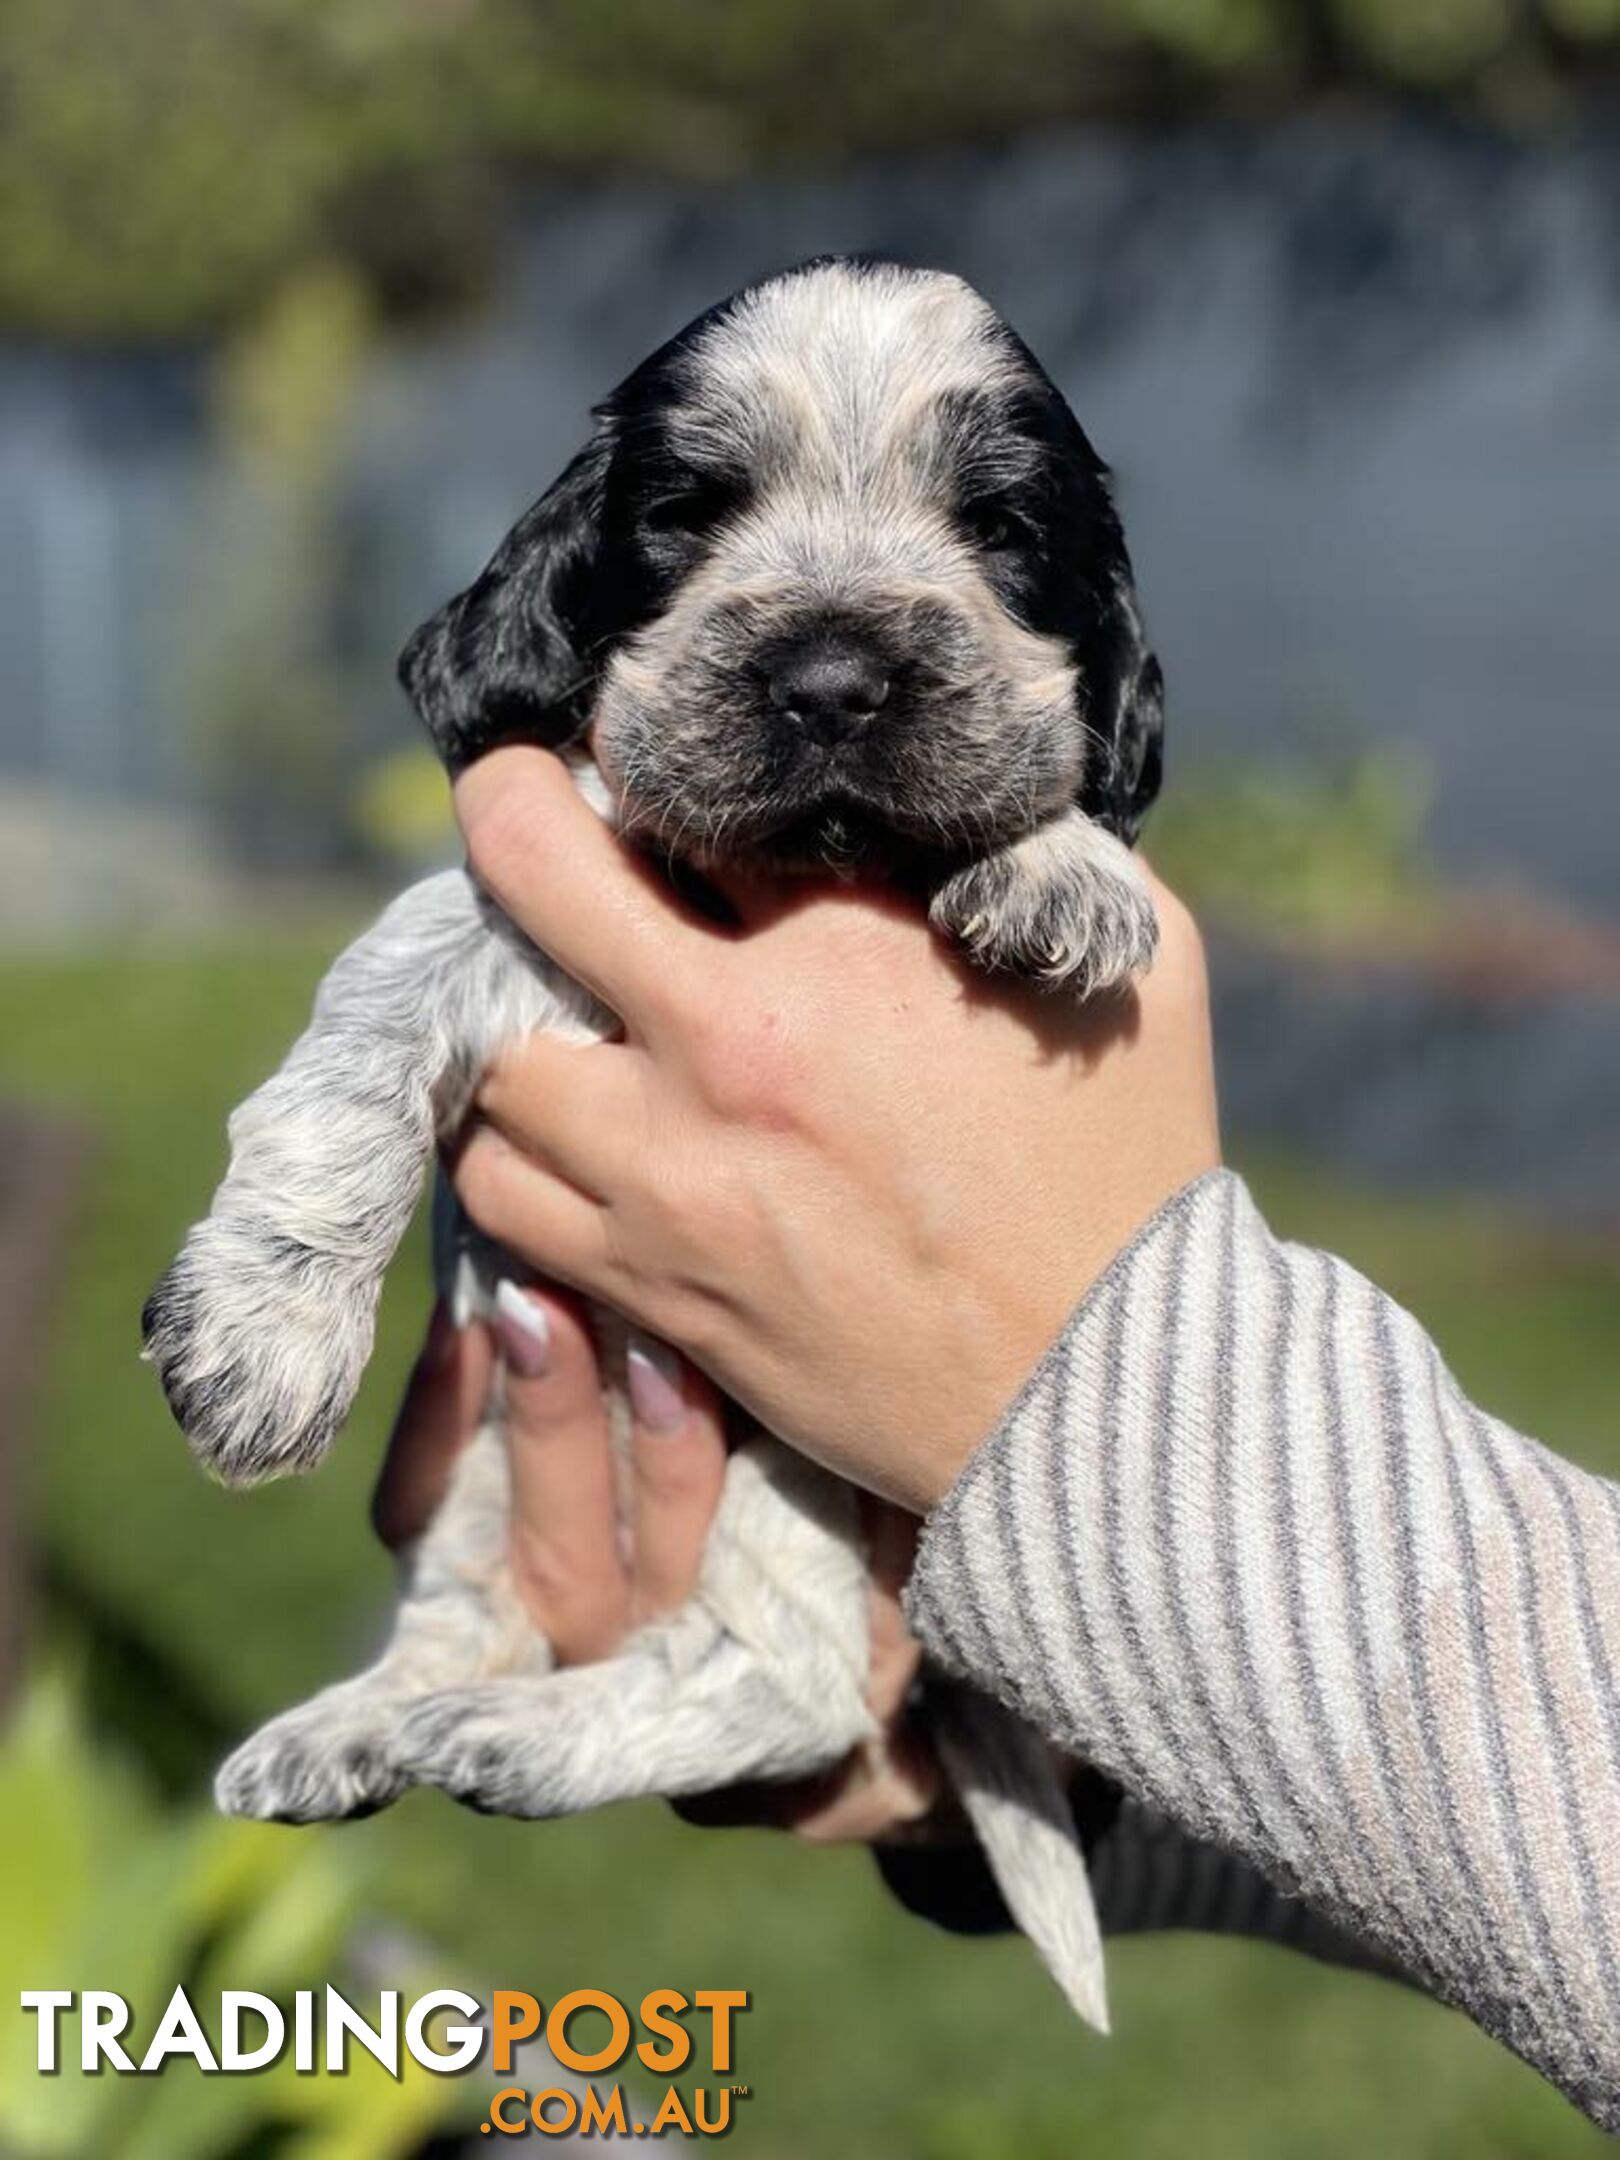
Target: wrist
{"type": "Point", "coordinates": [1031, 1325]}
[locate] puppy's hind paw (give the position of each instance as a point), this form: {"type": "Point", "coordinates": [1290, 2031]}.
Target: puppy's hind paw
{"type": "Point", "coordinates": [259, 1345]}
{"type": "Point", "coordinates": [677, 1711]}
{"type": "Point", "coordinates": [1067, 908]}
{"type": "Point", "coordinates": [324, 1762]}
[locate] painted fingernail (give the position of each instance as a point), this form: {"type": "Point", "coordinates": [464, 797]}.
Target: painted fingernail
{"type": "Point", "coordinates": [524, 1330]}
{"type": "Point", "coordinates": [654, 1374]}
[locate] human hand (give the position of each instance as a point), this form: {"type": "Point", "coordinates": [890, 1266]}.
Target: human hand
{"type": "Point", "coordinates": [587, 1584]}
{"type": "Point", "coordinates": [861, 1186]}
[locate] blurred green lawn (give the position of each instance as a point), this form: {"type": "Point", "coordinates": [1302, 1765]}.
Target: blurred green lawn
{"type": "Point", "coordinates": [868, 2032]}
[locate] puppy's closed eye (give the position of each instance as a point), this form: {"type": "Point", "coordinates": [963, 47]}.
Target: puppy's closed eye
{"type": "Point", "coordinates": [693, 504]}
{"type": "Point", "coordinates": [998, 528]}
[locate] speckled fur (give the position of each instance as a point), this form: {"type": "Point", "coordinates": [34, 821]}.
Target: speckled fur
{"type": "Point", "coordinates": [842, 392]}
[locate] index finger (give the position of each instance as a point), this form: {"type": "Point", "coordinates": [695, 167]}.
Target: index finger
{"type": "Point", "coordinates": [559, 871]}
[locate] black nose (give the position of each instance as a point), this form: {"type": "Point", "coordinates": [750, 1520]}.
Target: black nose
{"type": "Point", "coordinates": [830, 688]}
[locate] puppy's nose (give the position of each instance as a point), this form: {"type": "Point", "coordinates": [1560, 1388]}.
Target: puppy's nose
{"type": "Point", "coordinates": [830, 688]}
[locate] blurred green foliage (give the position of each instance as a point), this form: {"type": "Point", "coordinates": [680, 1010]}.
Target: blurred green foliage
{"type": "Point", "coordinates": [162, 167]}
{"type": "Point", "coordinates": [868, 2034]}
{"type": "Point", "coordinates": [401, 811]}
{"type": "Point", "coordinates": [101, 1887]}
{"type": "Point", "coordinates": [1331, 847]}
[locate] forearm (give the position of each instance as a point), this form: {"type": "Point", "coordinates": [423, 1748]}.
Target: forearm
{"type": "Point", "coordinates": [1243, 1544]}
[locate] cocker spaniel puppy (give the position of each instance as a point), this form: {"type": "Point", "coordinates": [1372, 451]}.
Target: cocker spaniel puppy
{"type": "Point", "coordinates": [836, 580]}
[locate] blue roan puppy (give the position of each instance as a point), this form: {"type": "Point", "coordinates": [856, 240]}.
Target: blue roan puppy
{"type": "Point", "coordinates": [836, 580]}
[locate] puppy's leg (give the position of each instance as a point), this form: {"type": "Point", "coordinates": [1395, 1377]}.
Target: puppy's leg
{"type": "Point", "coordinates": [1067, 907]}
{"type": "Point", "coordinates": [261, 1328]}
{"type": "Point", "coordinates": [761, 1676]}
{"type": "Point", "coordinates": [460, 1618]}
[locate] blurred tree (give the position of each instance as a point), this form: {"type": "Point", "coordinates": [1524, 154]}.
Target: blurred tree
{"type": "Point", "coordinates": [163, 167]}
{"type": "Point", "coordinates": [267, 682]}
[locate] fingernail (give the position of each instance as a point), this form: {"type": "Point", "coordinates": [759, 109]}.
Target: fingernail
{"type": "Point", "coordinates": [524, 1330]}
{"type": "Point", "coordinates": [654, 1374]}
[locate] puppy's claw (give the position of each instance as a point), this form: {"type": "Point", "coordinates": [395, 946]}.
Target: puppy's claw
{"type": "Point", "coordinates": [1067, 907]}
{"type": "Point", "coordinates": [328, 1760]}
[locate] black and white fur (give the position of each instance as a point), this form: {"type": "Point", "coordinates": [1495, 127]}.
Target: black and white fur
{"type": "Point", "coordinates": [837, 578]}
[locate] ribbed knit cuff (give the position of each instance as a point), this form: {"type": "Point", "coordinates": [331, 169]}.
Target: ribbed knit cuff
{"type": "Point", "coordinates": [937, 1589]}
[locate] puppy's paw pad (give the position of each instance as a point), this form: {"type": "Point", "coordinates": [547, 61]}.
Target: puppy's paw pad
{"type": "Point", "coordinates": [259, 1346]}
{"type": "Point", "coordinates": [303, 1769]}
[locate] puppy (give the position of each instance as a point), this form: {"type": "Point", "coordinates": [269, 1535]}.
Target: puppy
{"type": "Point", "coordinates": [836, 580]}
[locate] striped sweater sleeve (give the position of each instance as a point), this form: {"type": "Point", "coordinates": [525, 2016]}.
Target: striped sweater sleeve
{"type": "Point", "coordinates": [1243, 1543]}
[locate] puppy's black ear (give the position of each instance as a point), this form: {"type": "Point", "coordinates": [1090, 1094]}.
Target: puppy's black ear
{"type": "Point", "coordinates": [1124, 687]}
{"type": "Point", "coordinates": [511, 658]}
{"type": "Point", "coordinates": [1121, 685]}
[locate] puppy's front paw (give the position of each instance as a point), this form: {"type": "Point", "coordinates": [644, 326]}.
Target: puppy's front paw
{"type": "Point", "coordinates": [323, 1762]}
{"type": "Point", "coordinates": [1066, 907]}
{"type": "Point", "coordinates": [259, 1344]}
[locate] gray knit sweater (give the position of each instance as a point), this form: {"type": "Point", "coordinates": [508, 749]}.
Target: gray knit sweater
{"type": "Point", "coordinates": [1243, 1543]}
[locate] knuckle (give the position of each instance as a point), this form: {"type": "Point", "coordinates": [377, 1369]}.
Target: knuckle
{"type": "Point", "coordinates": [753, 1067]}
{"type": "Point", "coordinates": [686, 1200]}
{"type": "Point", "coordinates": [501, 1084]}
{"type": "Point", "coordinates": [494, 844]}
{"type": "Point", "coordinates": [672, 1473]}
{"type": "Point", "coordinates": [709, 1243]}
{"type": "Point", "coordinates": [1198, 962]}
{"type": "Point", "coordinates": [671, 1187]}
{"type": "Point", "coordinates": [503, 806]}
{"type": "Point", "coordinates": [478, 1177]}
{"type": "Point", "coordinates": [707, 1207]}
{"type": "Point", "coordinates": [1179, 931]}
{"type": "Point", "coordinates": [1193, 973]}
{"type": "Point", "coordinates": [688, 1317]}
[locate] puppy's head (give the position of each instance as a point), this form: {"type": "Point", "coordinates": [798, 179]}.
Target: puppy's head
{"type": "Point", "coordinates": [836, 568]}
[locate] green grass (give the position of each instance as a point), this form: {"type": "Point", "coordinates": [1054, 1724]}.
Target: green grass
{"type": "Point", "coordinates": [868, 2032]}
